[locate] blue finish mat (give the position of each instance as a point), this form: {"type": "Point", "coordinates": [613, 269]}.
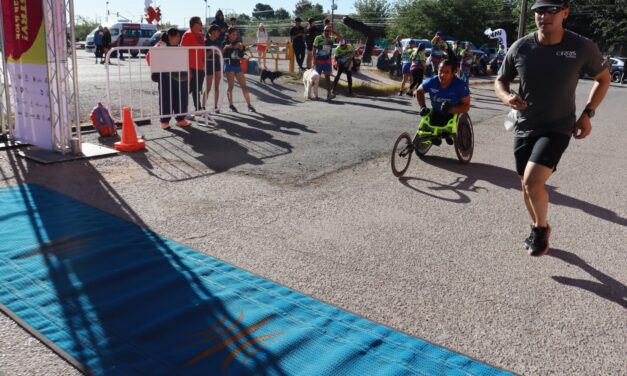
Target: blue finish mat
{"type": "Point", "coordinates": [121, 300]}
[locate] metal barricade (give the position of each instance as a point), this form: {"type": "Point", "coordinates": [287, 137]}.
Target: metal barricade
{"type": "Point", "coordinates": [274, 52]}
{"type": "Point", "coordinates": [159, 84]}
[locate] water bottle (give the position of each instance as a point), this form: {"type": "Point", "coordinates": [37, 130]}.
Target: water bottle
{"type": "Point", "coordinates": [510, 120]}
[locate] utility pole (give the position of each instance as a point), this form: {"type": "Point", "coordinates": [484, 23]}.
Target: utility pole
{"type": "Point", "coordinates": [522, 23]}
{"type": "Point", "coordinates": [107, 8]}
{"type": "Point", "coordinates": [333, 7]}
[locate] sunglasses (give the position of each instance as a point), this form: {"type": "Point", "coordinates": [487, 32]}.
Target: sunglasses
{"type": "Point", "coordinates": [549, 10]}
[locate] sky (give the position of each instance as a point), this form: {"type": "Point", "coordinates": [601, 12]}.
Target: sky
{"type": "Point", "coordinates": [178, 12]}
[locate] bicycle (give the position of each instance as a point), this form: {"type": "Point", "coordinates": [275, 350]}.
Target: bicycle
{"type": "Point", "coordinates": [432, 129]}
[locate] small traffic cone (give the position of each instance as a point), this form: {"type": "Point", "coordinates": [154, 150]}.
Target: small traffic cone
{"type": "Point", "coordinates": [129, 136]}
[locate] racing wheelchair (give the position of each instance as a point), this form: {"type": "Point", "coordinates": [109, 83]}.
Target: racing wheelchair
{"type": "Point", "coordinates": [455, 129]}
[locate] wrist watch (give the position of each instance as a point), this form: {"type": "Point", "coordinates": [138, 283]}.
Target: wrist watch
{"type": "Point", "coordinates": [589, 111]}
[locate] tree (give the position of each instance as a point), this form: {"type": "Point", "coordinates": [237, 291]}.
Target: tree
{"type": "Point", "coordinates": [83, 27]}
{"type": "Point", "coordinates": [243, 18]}
{"type": "Point", "coordinates": [373, 11]}
{"type": "Point", "coordinates": [305, 10]}
{"type": "Point", "coordinates": [263, 12]}
{"type": "Point", "coordinates": [460, 19]}
{"type": "Point", "coordinates": [281, 14]}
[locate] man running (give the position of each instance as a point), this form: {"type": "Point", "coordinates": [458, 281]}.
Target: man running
{"type": "Point", "coordinates": [548, 63]}
{"type": "Point", "coordinates": [323, 48]}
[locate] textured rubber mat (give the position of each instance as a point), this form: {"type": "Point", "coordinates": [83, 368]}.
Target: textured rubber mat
{"type": "Point", "coordinates": [117, 299]}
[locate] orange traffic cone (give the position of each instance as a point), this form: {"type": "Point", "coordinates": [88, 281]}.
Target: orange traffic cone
{"type": "Point", "coordinates": [129, 137]}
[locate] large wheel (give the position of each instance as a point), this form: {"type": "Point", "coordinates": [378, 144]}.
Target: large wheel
{"type": "Point", "coordinates": [422, 148]}
{"type": "Point", "coordinates": [616, 76]}
{"type": "Point", "coordinates": [464, 139]}
{"type": "Point", "coordinates": [401, 155]}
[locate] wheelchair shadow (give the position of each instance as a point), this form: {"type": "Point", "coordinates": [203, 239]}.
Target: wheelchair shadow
{"type": "Point", "coordinates": [501, 177]}
{"type": "Point", "coordinates": [607, 287]}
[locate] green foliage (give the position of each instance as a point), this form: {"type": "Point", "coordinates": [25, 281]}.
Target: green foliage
{"type": "Point", "coordinates": [282, 14]}
{"type": "Point", "coordinates": [243, 19]}
{"type": "Point", "coordinates": [305, 9]}
{"type": "Point", "coordinates": [83, 27]}
{"type": "Point", "coordinates": [605, 21]}
{"type": "Point", "coordinates": [263, 12]}
{"type": "Point", "coordinates": [461, 19]}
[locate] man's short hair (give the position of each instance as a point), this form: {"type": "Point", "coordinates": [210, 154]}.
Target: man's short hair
{"type": "Point", "coordinates": [193, 21]}
{"type": "Point", "coordinates": [213, 28]}
{"type": "Point", "coordinates": [233, 19]}
{"type": "Point", "coordinates": [298, 19]}
{"type": "Point", "coordinates": [311, 20]}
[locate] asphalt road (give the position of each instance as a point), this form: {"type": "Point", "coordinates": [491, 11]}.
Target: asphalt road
{"type": "Point", "coordinates": [301, 193]}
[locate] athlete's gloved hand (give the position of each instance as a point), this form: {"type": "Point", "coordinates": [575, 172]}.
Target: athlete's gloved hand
{"type": "Point", "coordinates": [446, 106]}
{"type": "Point", "coordinates": [424, 111]}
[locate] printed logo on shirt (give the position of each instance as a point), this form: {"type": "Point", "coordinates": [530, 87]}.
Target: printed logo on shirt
{"type": "Point", "coordinates": [567, 54]}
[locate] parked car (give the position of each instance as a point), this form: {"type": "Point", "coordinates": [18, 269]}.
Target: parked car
{"type": "Point", "coordinates": [489, 51]}
{"type": "Point", "coordinates": [618, 68]}
{"type": "Point", "coordinates": [156, 37]}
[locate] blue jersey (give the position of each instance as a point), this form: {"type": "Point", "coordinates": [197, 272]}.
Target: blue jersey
{"type": "Point", "coordinates": [453, 93]}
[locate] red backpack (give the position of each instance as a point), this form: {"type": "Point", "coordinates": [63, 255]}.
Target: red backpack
{"type": "Point", "coordinates": [103, 122]}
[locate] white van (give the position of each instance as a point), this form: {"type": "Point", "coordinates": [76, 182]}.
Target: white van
{"type": "Point", "coordinates": [135, 34]}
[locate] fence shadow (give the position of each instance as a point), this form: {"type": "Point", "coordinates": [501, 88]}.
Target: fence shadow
{"type": "Point", "coordinates": [106, 306]}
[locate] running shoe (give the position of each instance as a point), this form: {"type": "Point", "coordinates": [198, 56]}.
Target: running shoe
{"type": "Point", "coordinates": [216, 110]}
{"type": "Point", "coordinates": [165, 125]}
{"type": "Point", "coordinates": [539, 245]}
{"type": "Point", "coordinates": [527, 241]}
{"type": "Point", "coordinates": [183, 123]}
{"type": "Point", "coordinates": [232, 108]}
{"type": "Point", "coordinates": [330, 96]}
{"type": "Point", "coordinates": [251, 108]}
{"type": "Point", "coordinates": [400, 92]}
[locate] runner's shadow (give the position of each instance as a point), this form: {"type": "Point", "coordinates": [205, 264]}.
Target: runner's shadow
{"type": "Point", "coordinates": [508, 179]}
{"type": "Point", "coordinates": [608, 288]}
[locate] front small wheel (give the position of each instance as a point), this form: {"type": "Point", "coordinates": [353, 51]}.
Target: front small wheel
{"type": "Point", "coordinates": [464, 139]}
{"type": "Point", "coordinates": [401, 154]}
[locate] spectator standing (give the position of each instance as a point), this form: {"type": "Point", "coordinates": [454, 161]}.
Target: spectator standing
{"type": "Point", "coordinates": [233, 24]}
{"type": "Point", "coordinates": [106, 43]}
{"type": "Point", "coordinates": [398, 51]}
{"type": "Point", "coordinates": [408, 51]}
{"type": "Point", "coordinates": [438, 51]}
{"type": "Point", "coordinates": [212, 67]}
{"type": "Point", "coordinates": [98, 44]}
{"type": "Point", "coordinates": [194, 38]}
{"type": "Point", "coordinates": [173, 95]}
{"type": "Point", "coordinates": [344, 55]}
{"type": "Point", "coordinates": [418, 67]}
{"type": "Point", "coordinates": [219, 21]}
{"type": "Point", "coordinates": [466, 58]}
{"type": "Point", "coordinates": [121, 44]}
{"type": "Point", "coordinates": [233, 52]}
{"type": "Point", "coordinates": [297, 36]}
{"type": "Point", "coordinates": [384, 63]}
{"type": "Point", "coordinates": [262, 44]}
{"type": "Point", "coordinates": [311, 32]}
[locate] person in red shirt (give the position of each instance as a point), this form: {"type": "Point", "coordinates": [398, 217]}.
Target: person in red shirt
{"type": "Point", "coordinates": [195, 38]}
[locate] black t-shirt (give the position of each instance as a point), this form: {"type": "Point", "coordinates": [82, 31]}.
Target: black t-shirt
{"type": "Point", "coordinates": [232, 55]}
{"type": "Point", "coordinates": [300, 40]}
{"type": "Point", "coordinates": [212, 43]}
{"type": "Point", "coordinates": [548, 78]}
{"type": "Point", "coordinates": [310, 34]}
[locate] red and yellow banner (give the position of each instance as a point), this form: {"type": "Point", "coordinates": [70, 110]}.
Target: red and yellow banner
{"type": "Point", "coordinates": [24, 31]}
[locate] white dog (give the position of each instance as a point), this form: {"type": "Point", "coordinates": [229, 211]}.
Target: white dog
{"type": "Point", "coordinates": [311, 79]}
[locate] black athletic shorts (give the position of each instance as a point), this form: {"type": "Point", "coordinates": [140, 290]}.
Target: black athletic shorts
{"type": "Point", "coordinates": [545, 150]}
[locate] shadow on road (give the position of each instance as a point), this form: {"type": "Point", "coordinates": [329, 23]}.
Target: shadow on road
{"type": "Point", "coordinates": [608, 288]}
{"type": "Point", "coordinates": [109, 317]}
{"type": "Point", "coordinates": [508, 179]}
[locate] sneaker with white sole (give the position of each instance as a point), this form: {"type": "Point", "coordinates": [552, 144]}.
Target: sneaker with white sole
{"type": "Point", "coordinates": [539, 244]}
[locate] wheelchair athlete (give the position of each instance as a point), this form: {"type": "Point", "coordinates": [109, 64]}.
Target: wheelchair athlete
{"type": "Point", "coordinates": [449, 96]}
